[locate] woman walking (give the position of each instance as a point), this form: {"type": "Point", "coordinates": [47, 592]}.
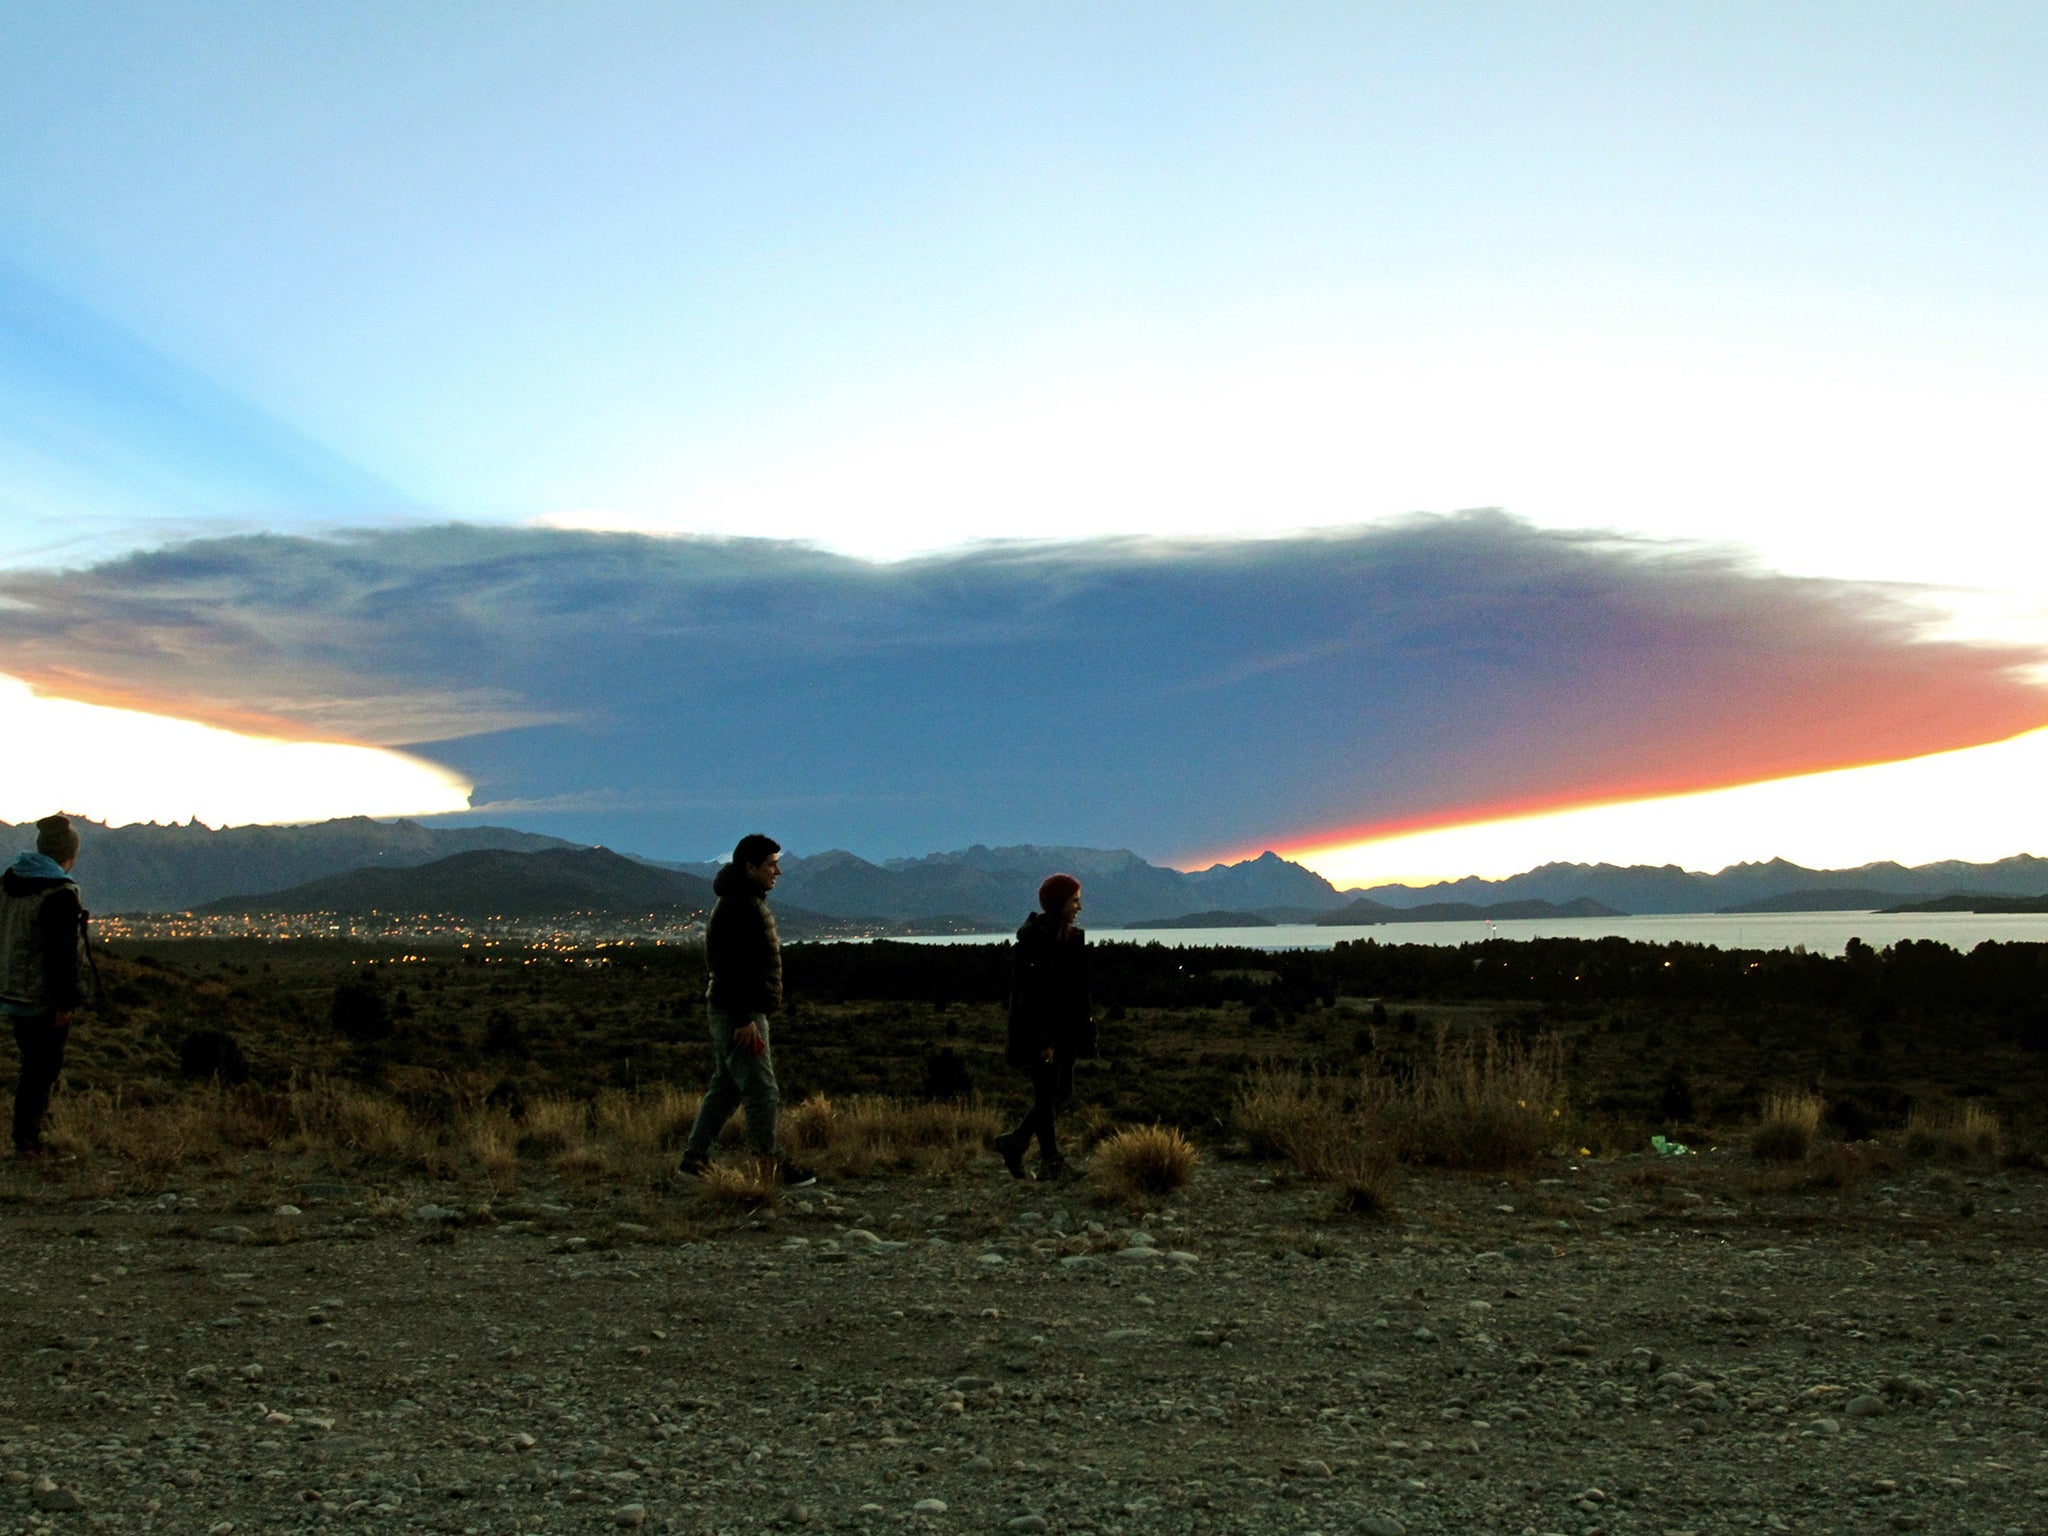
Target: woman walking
{"type": "Point", "coordinates": [1050, 1022]}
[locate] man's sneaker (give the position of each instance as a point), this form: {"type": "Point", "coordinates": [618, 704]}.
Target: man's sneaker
{"type": "Point", "coordinates": [794, 1174]}
{"type": "Point", "coordinates": [1010, 1148]}
{"type": "Point", "coordinates": [693, 1164]}
{"type": "Point", "coordinates": [1052, 1169]}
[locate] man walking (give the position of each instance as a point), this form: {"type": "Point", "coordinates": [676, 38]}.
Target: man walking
{"type": "Point", "coordinates": [745, 956]}
{"type": "Point", "coordinates": [42, 948]}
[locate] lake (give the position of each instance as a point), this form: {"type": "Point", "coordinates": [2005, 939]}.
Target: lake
{"type": "Point", "coordinates": [1820, 932]}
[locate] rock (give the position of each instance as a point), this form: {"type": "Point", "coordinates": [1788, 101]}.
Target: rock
{"type": "Point", "coordinates": [978, 1464]}
{"type": "Point", "coordinates": [992, 1260]}
{"type": "Point", "coordinates": [630, 1515]}
{"type": "Point", "coordinates": [1828, 1426]}
{"type": "Point", "coordinates": [230, 1234]}
{"type": "Point", "coordinates": [287, 1211]}
{"type": "Point", "coordinates": [436, 1213]}
{"type": "Point", "coordinates": [1382, 1525]}
{"type": "Point", "coordinates": [54, 1498]}
{"type": "Point", "coordinates": [930, 1506]}
{"type": "Point", "coordinates": [1082, 1261]}
{"type": "Point", "coordinates": [1027, 1524]}
{"type": "Point", "coordinates": [1864, 1406]}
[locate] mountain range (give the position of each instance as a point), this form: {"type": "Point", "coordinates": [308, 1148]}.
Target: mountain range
{"type": "Point", "coordinates": [152, 868]}
{"type": "Point", "coordinates": [486, 883]}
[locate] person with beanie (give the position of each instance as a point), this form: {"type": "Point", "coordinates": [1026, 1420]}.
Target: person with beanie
{"type": "Point", "coordinates": [42, 966]}
{"type": "Point", "coordinates": [744, 954]}
{"type": "Point", "coordinates": [1051, 1024]}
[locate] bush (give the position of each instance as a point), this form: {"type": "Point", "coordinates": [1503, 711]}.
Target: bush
{"type": "Point", "coordinates": [1787, 1129]}
{"type": "Point", "coordinates": [1956, 1133]}
{"type": "Point", "coordinates": [358, 1013]}
{"type": "Point", "coordinates": [744, 1184]}
{"type": "Point", "coordinates": [1312, 1121]}
{"type": "Point", "coordinates": [1476, 1102]}
{"type": "Point", "coordinates": [213, 1053]}
{"type": "Point", "coordinates": [1144, 1160]}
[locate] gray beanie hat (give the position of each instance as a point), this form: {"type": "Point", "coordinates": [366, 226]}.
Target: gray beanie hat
{"type": "Point", "coordinates": [56, 840]}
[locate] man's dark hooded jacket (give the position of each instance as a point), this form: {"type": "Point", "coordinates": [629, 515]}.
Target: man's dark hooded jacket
{"type": "Point", "coordinates": [742, 947]}
{"type": "Point", "coordinates": [40, 944]}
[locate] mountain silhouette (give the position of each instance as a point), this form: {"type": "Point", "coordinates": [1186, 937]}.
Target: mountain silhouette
{"type": "Point", "coordinates": [490, 883]}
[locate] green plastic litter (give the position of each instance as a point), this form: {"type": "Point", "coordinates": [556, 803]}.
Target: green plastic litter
{"type": "Point", "coordinates": [1665, 1148]}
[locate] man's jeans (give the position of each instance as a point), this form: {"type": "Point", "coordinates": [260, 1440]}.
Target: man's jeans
{"type": "Point", "coordinates": [738, 1077]}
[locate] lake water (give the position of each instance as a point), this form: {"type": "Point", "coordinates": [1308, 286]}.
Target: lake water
{"type": "Point", "coordinates": [1820, 932]}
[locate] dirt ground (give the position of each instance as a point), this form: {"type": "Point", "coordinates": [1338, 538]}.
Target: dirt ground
{"type": "Point", "coordinates": [1638, 1345]}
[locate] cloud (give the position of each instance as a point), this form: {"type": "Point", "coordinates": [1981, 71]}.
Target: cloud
{"type": "Point", "coordinates": [1179, 696]}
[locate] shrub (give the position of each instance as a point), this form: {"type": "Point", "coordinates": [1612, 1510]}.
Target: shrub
{"type": "Point", "coordinates": [744, 1184]}
{"type": "Point", "coordinates": [1786, 1131]}
{"type": "Point", "coordinates": [1144, 1160]}
{"type": "Point", "coordinates": [1315, 1122]}
{"type": "Point", "coordinates": [1954, 1132]}
{"type": "Point", "coordinates": [213, 1053]}
{"type": "Point", "coordinates": [1475, 1102]}
{"type": "Point", "coordinates": [357, 1011]}
{"type": "Point", "coordinates": [808, 1127]}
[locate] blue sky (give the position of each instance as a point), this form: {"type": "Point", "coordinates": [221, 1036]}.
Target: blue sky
{"type": "Point", "coordinates": [891, 281]}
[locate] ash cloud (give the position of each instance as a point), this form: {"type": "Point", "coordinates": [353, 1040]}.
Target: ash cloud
{"type": "Point", "coordinates": [1174, 696]}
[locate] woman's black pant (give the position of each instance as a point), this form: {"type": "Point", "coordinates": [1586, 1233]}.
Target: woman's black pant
{"type": "Point", "coordinates": [1052, 1084]}
{"type": "Point", "coordinates": [41, 1039]}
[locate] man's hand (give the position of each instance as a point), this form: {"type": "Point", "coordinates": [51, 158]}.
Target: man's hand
{"type": "Point", "coordinates": [1046, 1054]}
{"type": "Point", "coordinates": [747, 1038]}
{"type": "Point", "coordinates": [61, 1020]}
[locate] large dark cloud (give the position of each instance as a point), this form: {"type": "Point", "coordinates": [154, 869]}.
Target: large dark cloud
{"type": "Point", "coordinates": [1177, 697]}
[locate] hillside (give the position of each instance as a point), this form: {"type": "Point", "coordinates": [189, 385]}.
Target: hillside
{"type": "Point", "coordinates": [172, 868]}
{"type": "Point", "coordinates": [492, 883]}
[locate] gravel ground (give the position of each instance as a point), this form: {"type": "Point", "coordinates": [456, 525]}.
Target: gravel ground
{"type": "Point", "coordinates": [1614, 1347]}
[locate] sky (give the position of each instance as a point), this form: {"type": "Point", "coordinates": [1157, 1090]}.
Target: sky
{"type": "Point", "coordinates": [1424, 439]}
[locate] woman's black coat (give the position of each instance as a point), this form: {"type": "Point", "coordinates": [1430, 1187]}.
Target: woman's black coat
{"type": "Point", "coordinates": [1049, 993]}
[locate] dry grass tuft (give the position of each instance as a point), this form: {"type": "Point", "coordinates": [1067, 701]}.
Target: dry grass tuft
{"type": "Point", "coordinates": [808, 1127]}
{"type": "Point", "coordinates": [1477, 1102]}
{"type": "Point", "coordinates": [1144, 1160]}
{"type": "Point", "coordinates": [867, 1133]}
{"type": "Point", "coordinates": [554, 1125]}
{"type": "Point", "coordinates": [1788, 1129]}
{"type": "Point", "coordinates": [1325, 1129]}
{"type": "Point", "coordinates": [654, 1121]}
{"type": "Point", "coordinates": [742, 1185]}
{"type": "Point", "coordinates": [1474, 1102]}
{"type": "Point", "coordinates": [1957, 1133]}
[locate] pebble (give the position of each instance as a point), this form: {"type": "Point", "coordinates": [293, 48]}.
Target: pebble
{"type": "Point", "coordinates": [630, 1515]}
{"type": "Point", "coordinates": [930, 1506]}
{"type": "Point", "coordinates": [1865, 1406]}
{"type": "Point", "coordinates": [287, 1210]}
{"type": "Point", "coordinates": [1382, 1525]}
{"type": "Point", "coordinates": [1028, 1523]}
{"type": "Point", "coordinates": [230, 1234]}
